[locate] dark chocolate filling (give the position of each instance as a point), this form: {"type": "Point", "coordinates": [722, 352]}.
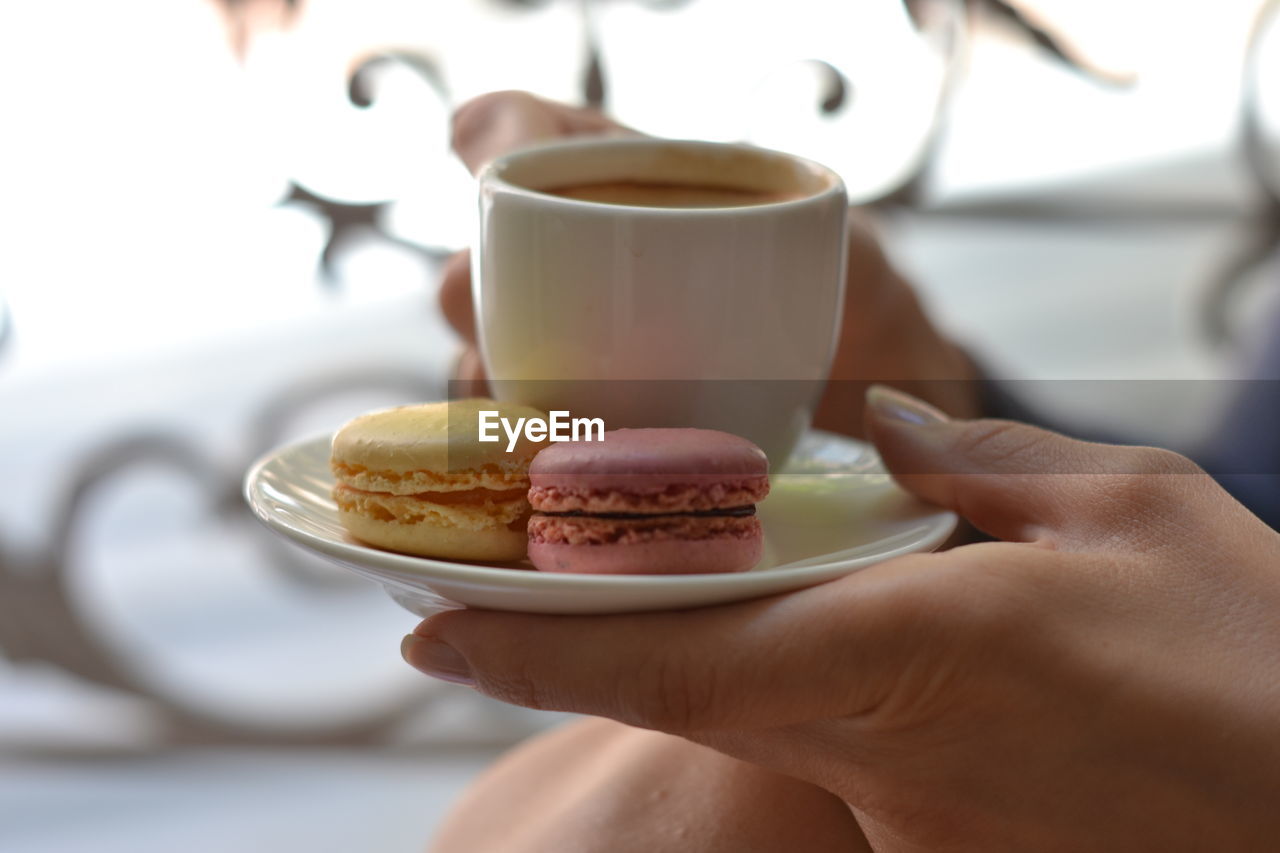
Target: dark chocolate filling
{"type": "Point", "coordinates": [730, 512]}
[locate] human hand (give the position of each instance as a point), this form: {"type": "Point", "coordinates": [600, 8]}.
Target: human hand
{"type": "Point", "coordinates": [885, 336]}
{"type": "Point", "coordinates": [1104, 678]}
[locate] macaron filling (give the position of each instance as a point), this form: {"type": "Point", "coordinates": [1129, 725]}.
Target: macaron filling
{"type": "Point", "coordinates": [735, 512]}
{"type": "Point", "coordinates": [474, 509]}
{"type": "Point", "coordinates": [659, 497]}
{"type": "Point", "coordinates": [634, 530]}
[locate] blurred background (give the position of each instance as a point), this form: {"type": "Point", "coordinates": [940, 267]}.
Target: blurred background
{"type": "Point", "coordinates": [222, 225]}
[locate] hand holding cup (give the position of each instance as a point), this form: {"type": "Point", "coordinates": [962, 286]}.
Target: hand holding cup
{"type": "Point", "coordinates": [885, 333]}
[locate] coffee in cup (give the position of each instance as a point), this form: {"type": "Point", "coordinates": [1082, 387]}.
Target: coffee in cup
{"type": "Point", "coordinates": [654, 194]}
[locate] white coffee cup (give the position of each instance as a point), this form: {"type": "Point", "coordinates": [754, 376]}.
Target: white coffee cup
{"type": "Point", "coordinates": [721, 317]}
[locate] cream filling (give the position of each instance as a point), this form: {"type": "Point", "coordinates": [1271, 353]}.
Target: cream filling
{"type": "Point", "coordinates": [482, 514]}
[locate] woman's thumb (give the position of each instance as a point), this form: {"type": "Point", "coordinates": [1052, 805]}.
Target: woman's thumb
{"type": "Point", "coordinates": [1013, 481]}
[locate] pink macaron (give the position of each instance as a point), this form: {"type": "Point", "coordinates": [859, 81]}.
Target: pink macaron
{"type": "Point", "coordinates": [648, 501]}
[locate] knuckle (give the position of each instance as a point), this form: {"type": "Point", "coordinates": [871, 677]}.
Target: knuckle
{"type": "Point", "coordinates": [671, 692]}
{"type": "Point", "coordinates": [518, 685]}
{"type": "Point", "coordinates": [477, 113]}
{"type": "Point", "coordinates": [976, 600]}
{"type": "Point", "coordinates": [1141, 484]}
{"type": "Point", "coordinates": [454, 295]}
{"type": "Point", "coordinates": [1146, 461]}
{"type": "Point", "coordinates": [457, 266]}
{"type": "Point", "coordinates": [1139, 474]}
{"type": "Point", "coordinates": [999, 443]}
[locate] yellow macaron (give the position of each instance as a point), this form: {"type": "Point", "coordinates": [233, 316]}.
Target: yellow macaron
{"type": "Point", "coordinates": [418, 479]}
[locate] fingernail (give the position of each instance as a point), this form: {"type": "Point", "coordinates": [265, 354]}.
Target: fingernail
{"type": "Point", "coordinates": [436, 659]}
{"type": "Point", "coordinates": [894, 405]}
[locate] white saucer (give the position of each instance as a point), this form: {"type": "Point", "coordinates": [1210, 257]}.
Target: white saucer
{"type": "Point", "coordinates": [831, 511]}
